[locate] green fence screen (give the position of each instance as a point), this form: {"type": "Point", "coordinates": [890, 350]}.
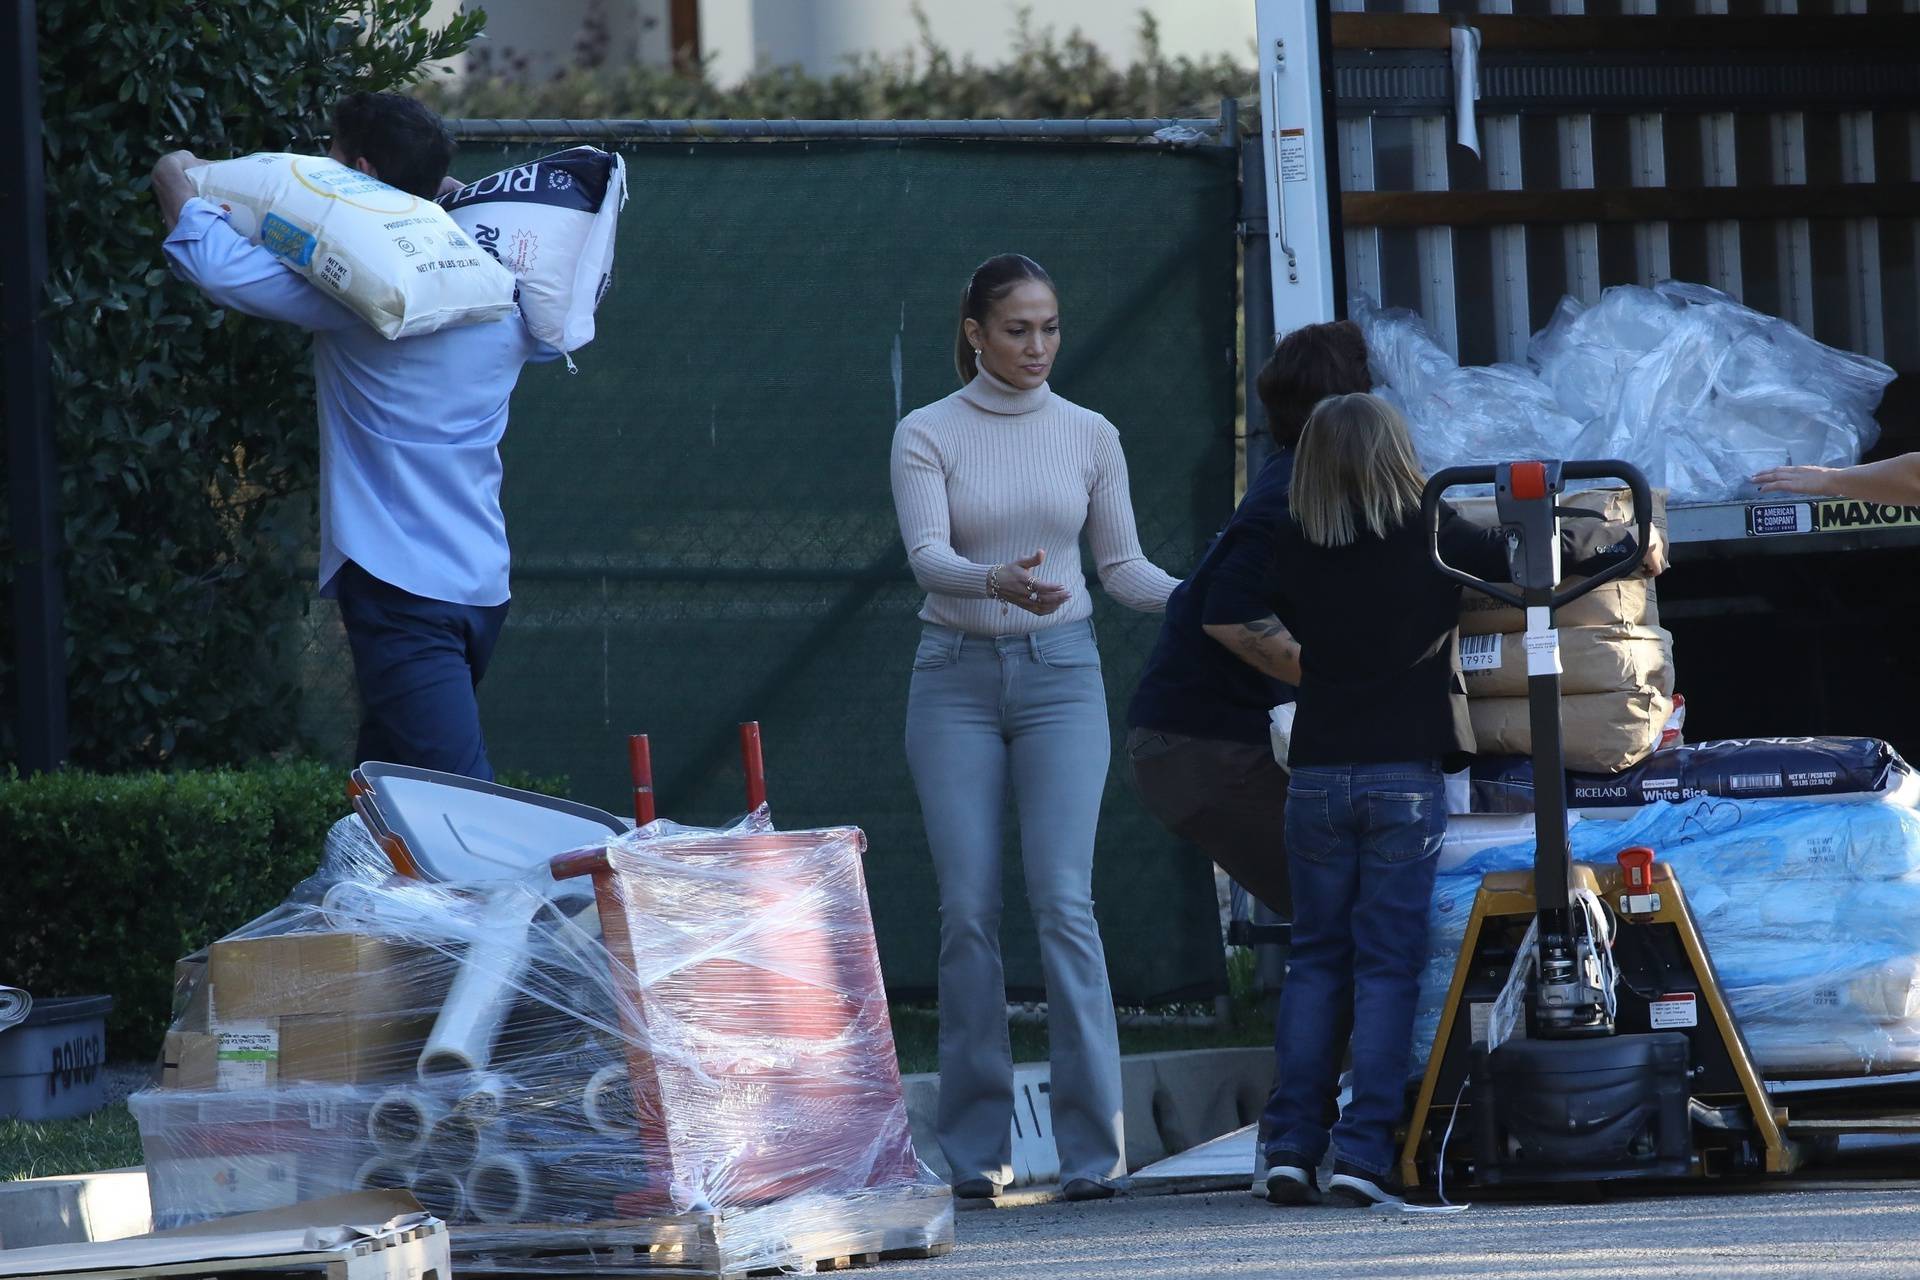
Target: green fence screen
{"type": "Point", "coordinates": [701, 520]}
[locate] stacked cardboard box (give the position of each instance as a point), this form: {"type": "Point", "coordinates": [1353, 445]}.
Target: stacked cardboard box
{"type": "Point", "coordinates": [331, 1008]}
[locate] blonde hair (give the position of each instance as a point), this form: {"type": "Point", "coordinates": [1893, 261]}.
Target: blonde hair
{"type": "Point", "coordinates": [1355, 467]}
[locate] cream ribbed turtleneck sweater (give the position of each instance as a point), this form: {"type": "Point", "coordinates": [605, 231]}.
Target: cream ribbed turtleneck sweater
{"type": "Point", "coordinates": [992, 473]}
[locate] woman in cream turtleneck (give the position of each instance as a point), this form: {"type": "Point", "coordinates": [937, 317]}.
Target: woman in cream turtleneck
{"type": "Point", "coordinates": [994, 486]}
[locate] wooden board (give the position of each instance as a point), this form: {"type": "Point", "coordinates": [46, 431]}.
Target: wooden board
{"type": "Point", "coordinates": [1225, 1163]}
{"type": "Point", "coordinates": [825, 1232]}
{"type": "Point", "coordinates": [420, 1253]}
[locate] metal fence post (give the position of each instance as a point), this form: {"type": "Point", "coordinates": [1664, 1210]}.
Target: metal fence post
{"type": "Point", "coordinates": [40, 650]}
{"type": "Point", "coordinates": [1256, 295]}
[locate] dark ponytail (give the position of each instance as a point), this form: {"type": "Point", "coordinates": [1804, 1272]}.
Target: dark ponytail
{"type": "Point", "coordinates": [991, 281]}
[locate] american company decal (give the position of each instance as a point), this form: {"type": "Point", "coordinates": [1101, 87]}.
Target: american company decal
{"type": "Point", "coordinates": [1769, 518]}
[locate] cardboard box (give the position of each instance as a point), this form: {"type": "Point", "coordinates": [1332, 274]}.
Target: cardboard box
{"type": "Point", "coordinates": [1616, 658]}
{"type": "Point", "coordinates": [189, 1060]}
{"type": "Point", "coordinates": [1624, 602]}
{"type": "Point", "coordinates": [192, 993]}
{"type": "Point", "coordinates": [256, 979]}
{"type": "Point", "coordinates": [1600, 732]}
{"type": "Point", "coordinates": [319, 1048]}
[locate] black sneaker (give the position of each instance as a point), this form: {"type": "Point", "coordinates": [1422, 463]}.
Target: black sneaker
{"type": "Point", "coordinates": [976, 1189]}
{"type": "Point", "coordinates": [1291, 1179]}
{"type": "Point", "coordinates": [1087, 1189]}
{"type": "Point", "coordinates": [1356, 1188]}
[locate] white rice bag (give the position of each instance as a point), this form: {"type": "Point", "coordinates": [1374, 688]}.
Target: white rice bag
{"type": "Point", "coordinates": [552, 224]}
{"type": "Point", "coordinates": [395, 260]}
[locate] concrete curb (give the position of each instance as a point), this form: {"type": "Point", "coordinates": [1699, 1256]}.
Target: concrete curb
{"type": "Point", "coordinates": [110, 1205]}
{"type": "Point", "coordinates": [1174, 1101]}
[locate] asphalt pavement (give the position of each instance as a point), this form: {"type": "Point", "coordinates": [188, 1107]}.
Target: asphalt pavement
{"type": "Point", "coordinates": [1867, 1229]}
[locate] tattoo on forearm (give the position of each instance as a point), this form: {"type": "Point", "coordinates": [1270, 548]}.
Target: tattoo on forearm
{"type": "Point", "coordinates": [1267, 644]}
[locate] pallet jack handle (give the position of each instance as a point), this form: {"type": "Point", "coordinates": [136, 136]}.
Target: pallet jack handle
{"type": "Point", "coordinates": [1567, 1001]}
{"type": "Point", "coordinates": [1517, 484]}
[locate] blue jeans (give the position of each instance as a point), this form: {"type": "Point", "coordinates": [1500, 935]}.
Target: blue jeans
{"type": "Point", "coordinates": [1026, 712]}
{"type": "Point", "coordinates": [1362, 842]}
{"type": "Point", "coordinates": [418, 664]}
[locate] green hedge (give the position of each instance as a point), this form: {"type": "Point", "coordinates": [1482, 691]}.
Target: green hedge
{"type": "Point", "coordinates": [111, 878]}
{"type": "Point", "coordinates": [185, 436]}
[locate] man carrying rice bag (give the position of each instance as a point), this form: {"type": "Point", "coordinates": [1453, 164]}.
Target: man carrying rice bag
{"type": "Point", "coordinates": [413, 544]}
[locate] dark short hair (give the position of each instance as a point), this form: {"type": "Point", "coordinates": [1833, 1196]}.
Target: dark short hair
{"type": "Point", "coordinates": [991, 281]}
{"type": "Point", "coordinates": [400, 137]}
{"type": "Point", "coordinates": [1308, 365]}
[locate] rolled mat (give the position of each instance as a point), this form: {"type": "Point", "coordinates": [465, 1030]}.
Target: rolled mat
{"type": "Point", "coordinates": [15, 1005]}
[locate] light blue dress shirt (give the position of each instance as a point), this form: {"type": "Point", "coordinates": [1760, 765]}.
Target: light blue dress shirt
{"type": "Point", "coordinates": [409, 428]}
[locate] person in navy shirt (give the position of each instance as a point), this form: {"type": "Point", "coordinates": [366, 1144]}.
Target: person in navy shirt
{"type": "Point", "coordinates": [413, 544]}
{"type": "Point", "coordinates": [1198, 745]}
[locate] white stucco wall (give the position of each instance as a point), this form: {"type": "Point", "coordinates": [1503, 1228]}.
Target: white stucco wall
{"type": "Point", "coordinates": [820, 35]}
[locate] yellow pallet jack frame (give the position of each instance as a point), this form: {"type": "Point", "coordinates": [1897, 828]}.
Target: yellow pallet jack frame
{"type": "Point", "coordinates": [1511, 894]}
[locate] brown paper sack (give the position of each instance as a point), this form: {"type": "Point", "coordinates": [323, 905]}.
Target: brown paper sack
{"type": "Point", "coordinates": [1624, 602]}
{"type": "Point", "coordinates": [1616, 658]}
{"type": "Point", "coordinates": [1600, 732]}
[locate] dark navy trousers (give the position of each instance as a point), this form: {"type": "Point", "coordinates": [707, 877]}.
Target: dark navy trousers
{"type": "Point", "coordinates": [418, 664]}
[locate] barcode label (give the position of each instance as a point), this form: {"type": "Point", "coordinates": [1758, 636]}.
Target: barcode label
{"type": "Point", "coordinates": [1753, 781]}
{"type": "Point", "coordinates": [1479, 653]}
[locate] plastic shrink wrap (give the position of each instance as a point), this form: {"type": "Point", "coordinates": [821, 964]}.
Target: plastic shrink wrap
{"type": "Point", "coordinates": [699, 1027]}
{"type": "Point", "coordinates": [1811, 913]}
{"type": "Point", "coordinates": [1695, 389]}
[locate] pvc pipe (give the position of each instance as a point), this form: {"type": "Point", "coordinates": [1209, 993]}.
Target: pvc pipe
{"type": "Point", "coordinates": [500, 1188]}
{"type": "Point", "coordinates": [485, 989]}
{"type": "Point", "coordinates": [482, 1101]}
{"type": "Point", "coordinates": [382, 1173]}
{"type": "Point", "coordinates": [440, 1194]}
{"type": "Point", "coordinates": [608, 1101]}
{"type": "Point", "coordinates": [401, 1119]}
{"type": "Point", "coordinates": [453, 1143]}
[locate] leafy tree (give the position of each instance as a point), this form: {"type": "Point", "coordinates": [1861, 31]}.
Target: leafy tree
{"type": "Point", "coordinates": [186, 439]}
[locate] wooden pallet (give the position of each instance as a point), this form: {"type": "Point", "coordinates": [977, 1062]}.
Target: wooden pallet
{"type": "Point", "coordinates": [828, 1233]}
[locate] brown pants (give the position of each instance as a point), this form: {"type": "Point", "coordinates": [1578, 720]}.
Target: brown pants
{"type": "Point", "coordinates": [1229, 798]}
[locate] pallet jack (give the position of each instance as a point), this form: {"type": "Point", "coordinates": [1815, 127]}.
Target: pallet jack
{"type": "Point", "coordinates": [1585, 1037]}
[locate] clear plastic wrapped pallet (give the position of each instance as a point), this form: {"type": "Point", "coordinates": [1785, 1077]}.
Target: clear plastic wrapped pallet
{"type": "Point", "coordinates": [695, 1032]}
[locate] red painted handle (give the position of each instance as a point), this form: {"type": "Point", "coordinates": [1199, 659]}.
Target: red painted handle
{"type": "Point", "coordinates": [640, 763]}
{"type": "Point", "coordinates": [754, 764]}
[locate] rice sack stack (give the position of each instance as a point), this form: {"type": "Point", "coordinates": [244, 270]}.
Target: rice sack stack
{"type": "Point", "coordinates": [552, 224]}
{"type": "Point", "coordinates": [1617, 680]}
{"type": "Point", "coordinates": [395, 260]}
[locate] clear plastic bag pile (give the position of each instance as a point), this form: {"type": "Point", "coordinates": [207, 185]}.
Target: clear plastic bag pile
{"type": "Point", "coordinates": [1811, 912]}
{"type": "Point", "coordinates": [700, 1026]}
{"type": "Point", "coordinates": [1695, 389]}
